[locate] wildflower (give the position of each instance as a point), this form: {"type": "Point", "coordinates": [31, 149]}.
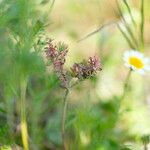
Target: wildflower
{"type": "Point", "coordinates": [95, 63]}
{"type": "Point", "coordinates": [86, 69]}
{"type": "Point", "coordinates": [51, 51]}
{"type": "Point", "coordinates": [136, 61]}
{"type": "Point", "coordinates": [57, 55]}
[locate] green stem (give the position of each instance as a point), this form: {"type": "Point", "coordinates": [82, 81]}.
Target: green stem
{"type": "Point", "coordinates": [142, 25]}
{"type": "Point", "coordinates": [64, 118]}
{"type": "Point", "coordinates": [125, 90]}
{"type": "Point", "coordinates": [130, 32]}
{"type": "Point", "coordinates": [130, 13]}
{"type": "Point", "coordinates": [24, 130]}
{"type": "Point", "coordinates": [145, 147]}
{"type": "Point", "coordinates": [126, 82]}
{"type": "Point", "coordinates": [129, 41]}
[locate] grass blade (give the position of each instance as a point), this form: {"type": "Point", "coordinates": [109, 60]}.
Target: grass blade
{"type": "Point", "coordinates": [126, 37]}
{"type": "Point", "coordinates": [52, 5]}
{"type": "Point", "coordinates": [127, 26]}
{"type": "Point", "coordinates": [129, 10]}
{"type": "Point", "coordinates": [142, 24]}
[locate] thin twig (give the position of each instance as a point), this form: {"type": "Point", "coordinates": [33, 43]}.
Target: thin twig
{"type": "Point", "coordinates": [97, 30]}
{"type": "Point", "coordinates": [63, 119]}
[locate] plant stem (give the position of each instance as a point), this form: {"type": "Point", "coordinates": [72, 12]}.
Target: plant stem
{"type": "Point", "coordinates": [129, 41]}
{"type": "Point", "coordinates": [64, 118]}
{"type": "Point", "coordinates": [142, 24]}
{"type": "Point", "coordinates": [130, 13]}
{"type": "Point", "coordinates": [97, 30]}
{"type": "Point", "coordinates": [125, 88]}
{"type": "Point", "coordinates": [24, 130]}
{"type": "Point", "coordinates": [145, 147]}
{"type": "Point", "coordinates": [129, 30]}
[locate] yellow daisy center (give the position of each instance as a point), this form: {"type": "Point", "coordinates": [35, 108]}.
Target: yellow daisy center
{"type": "Point", "coordinates": [136, 62]}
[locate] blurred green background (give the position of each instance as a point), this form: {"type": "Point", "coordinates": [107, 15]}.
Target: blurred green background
{"type": "Point", "coordinates": [95, 118]}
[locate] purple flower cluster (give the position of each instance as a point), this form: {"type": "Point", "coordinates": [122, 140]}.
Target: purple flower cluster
{"type": "Point", "coordinates": [57, 54]}
{"type": "Point", "coordinates": [86, 69]}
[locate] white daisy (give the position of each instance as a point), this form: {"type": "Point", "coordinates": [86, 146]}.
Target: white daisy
{"type": "Point", "coordinates": [136, 61]}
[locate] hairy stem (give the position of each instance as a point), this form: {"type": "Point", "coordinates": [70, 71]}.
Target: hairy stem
{"type": "Point", "coordinates": [24, 130]}
{"type": "Point", "coordinates": [64, 112]}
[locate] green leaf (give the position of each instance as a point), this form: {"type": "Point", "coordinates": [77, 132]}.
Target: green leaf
{"type": "Point", "coordinates": [37, 27]}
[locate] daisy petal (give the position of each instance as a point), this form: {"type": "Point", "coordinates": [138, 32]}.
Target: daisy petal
{"type": "Point", "coordinates": [136, 61]}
